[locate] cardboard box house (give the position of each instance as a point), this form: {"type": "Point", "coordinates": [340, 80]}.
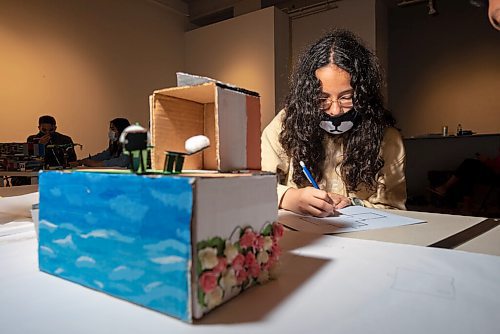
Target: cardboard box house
{"type": "Point", "coordinates": [178, 244]}
{"type": "Point", "coordinates": [229, 116]}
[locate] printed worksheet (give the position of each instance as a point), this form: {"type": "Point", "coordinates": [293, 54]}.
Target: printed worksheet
{"type": "Point", "coordinates": [349, 219]}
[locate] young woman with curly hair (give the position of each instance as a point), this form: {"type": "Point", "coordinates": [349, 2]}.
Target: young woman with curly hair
{"type": "Point", "coordinates": [335, 122]}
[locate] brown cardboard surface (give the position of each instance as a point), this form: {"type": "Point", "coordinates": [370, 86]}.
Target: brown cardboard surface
{"type": "Point", "coordinates": [253, 132]}
{"type": "Point", "coordinates": [201, 94]}
{"type": "Point", "coordinates": [209, 130]}
{"type": "Point", "coordinates": [171, 129]}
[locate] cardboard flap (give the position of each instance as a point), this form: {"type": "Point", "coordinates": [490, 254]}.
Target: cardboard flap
{"type": "Point", "coordinates": [185, 79]}
{"type": "Point", "coordinates": [201, 94]}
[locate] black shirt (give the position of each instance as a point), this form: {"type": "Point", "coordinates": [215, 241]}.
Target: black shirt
{"type": "Point", "coordinates": [55, 156]}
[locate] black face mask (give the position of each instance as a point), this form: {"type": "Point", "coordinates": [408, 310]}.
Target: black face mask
{"type": "Point", "coordinates": [337, 125]}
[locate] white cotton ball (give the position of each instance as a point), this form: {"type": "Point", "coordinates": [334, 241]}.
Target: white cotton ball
{"type": "Point", "coordinates": [134, 128]}
{"type": "Point", "coordinates": [196, 144]}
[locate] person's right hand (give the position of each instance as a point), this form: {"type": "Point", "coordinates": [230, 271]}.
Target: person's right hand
{"type": "Point", "coordinates": [309, 201]}
{"type": "Point", "coordinates": [44, 139]}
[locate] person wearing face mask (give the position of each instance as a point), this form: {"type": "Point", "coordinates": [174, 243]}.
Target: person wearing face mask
{"type": "Point", "coordinates": [59, 148]}
{"type": "Point", "coordinates": [112, 156]}
{"type": "Point", "coordinates": [335, 122]}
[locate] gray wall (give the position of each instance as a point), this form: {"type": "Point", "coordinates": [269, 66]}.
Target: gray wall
{"type": "Point", "coordinates": [444, 69]}
{"type": "Point", "coordinates": [247, 51]}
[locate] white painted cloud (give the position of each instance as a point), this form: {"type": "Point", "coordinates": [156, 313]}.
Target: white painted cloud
{"type": "Point", "coordinates": [182, 201]}
{"type": "Point", "coordinates": [148, 288]}
{"type": "Point", "coordinates": [124, 207]}
{"type": "Point", "coordinates": [85, 261]}
{"type": "Point", "coordinates": [161, 246]}
{"type": "Point", "coordinates": [119, 268]}
{"type": "Point", "coordinates": [70, 227]}
{"type": "Point", "coordinates": [108, 234]}
{"type": "Point", "coordinates": [99, 284]}
{"type": "Point", "coordinates": [47, 251]}
{"type": "Point", "coordinates": [66, 242]}
{"type": "Point", "coordinates": [45, 224]}
{"type": "Point", "coordinates": [125, 273]}
{"type": "Point", "coordinates": [168, 259]}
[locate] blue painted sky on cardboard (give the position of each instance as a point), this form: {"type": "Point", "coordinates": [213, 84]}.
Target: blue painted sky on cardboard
{"type": "Point", "coordinates": [124, 234]}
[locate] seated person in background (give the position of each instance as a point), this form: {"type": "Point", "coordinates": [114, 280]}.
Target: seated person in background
{"type": "Point", "coordinates": [113, 156]}
{"type": "Point", "coordinates": [54, 155]}
{"type": "Point", "coordinates": [482, 170]}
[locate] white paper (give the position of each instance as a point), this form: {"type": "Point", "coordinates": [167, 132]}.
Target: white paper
{"type": "Point", "coordinates": [18, 206]}
{"type": "Point", "coordinates": [349, 219]}
{"type": "Point", "coordinates": [20, 228]}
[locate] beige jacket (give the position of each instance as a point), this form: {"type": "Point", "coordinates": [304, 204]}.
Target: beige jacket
{"type": "Point", "coordinates": [391, 192]}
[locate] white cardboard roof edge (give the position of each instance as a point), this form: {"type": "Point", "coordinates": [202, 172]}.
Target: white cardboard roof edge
{"type": "Point", "coordinates": [201, 93]}
{"type": "Point", "coordinates": [186, 79]}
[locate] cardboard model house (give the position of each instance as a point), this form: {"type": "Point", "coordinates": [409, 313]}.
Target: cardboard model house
{"type": "Point", "coordinates": [180, 245]}
{"type": "Point", "coordinates": [229, 116]}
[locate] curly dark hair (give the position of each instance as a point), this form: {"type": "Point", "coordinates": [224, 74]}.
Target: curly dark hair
{"type": "Point", "coordinates": [301, 137]}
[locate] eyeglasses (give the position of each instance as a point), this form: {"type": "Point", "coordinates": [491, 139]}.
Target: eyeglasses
{"type": "Point", "coordinates": [345, 102]}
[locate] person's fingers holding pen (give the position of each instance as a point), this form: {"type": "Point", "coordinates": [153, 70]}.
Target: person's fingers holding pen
{"type": "Point", "coordinates": [308, 201]}
{"type": "Point", "coordinates": [320, 204]}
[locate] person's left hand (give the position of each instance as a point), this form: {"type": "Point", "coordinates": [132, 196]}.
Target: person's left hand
{"type": "Point", "coordinates": [339, 201]}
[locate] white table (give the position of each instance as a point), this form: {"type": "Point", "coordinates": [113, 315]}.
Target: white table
{"type": "Point", "coordinates": [326, 285]}
{"type": "Point", "coordinates": [487, 243]}
{"type": "Point", "coordinates": [437, 227]}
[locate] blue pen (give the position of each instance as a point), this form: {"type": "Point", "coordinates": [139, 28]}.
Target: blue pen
{"type": "Point", "coordinates": [308, 174]}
